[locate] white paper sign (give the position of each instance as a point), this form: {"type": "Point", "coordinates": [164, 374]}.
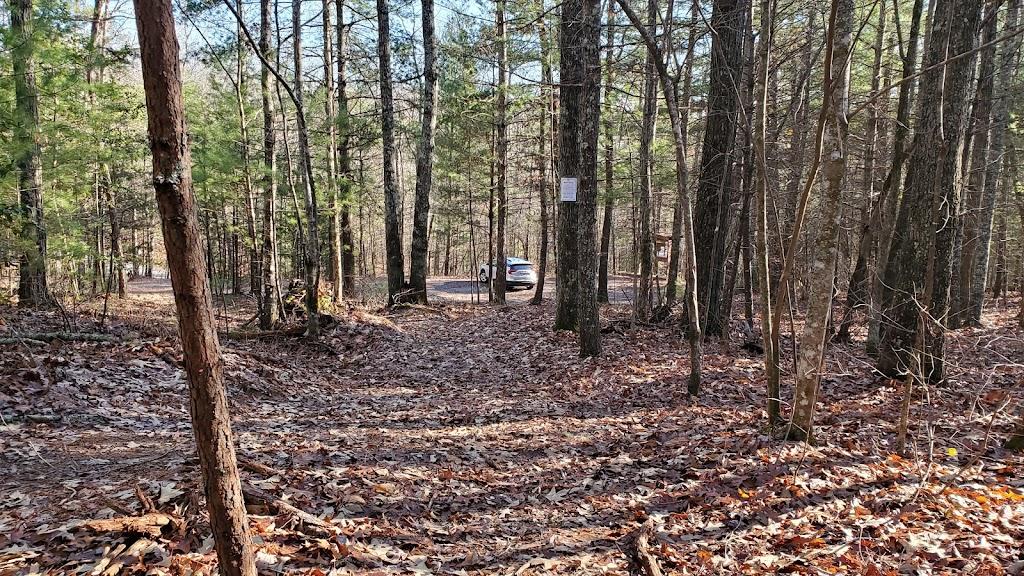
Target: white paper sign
{"type": "Point", "coordinates": [569, 189]}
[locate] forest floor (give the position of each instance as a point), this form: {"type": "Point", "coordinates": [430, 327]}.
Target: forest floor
{"type": "Point", "coordinates": [472, 440]}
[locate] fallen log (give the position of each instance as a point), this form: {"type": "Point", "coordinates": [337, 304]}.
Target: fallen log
{"type": "Point", "coordinates": [38, 337]}
{"type": "Point", "coordinates": [152, 524]}
{"type": "Point", "coordinates": [320, 527]}
{"type": "Point", "coordinates": [641, 559]}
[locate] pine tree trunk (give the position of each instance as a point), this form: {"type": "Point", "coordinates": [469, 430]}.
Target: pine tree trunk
{"type": "Point", "coordinates": [392, 227]}
{"type": "Point", "coordinates": [811, 356]}
{"type": "Point", "coordinates": [172, 179]}
{"type": "Point", "coordinates": [32, 288]}
{"type": "Point", "coordinates": [424, 159]}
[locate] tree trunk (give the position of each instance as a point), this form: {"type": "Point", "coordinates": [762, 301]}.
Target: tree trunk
{"type": "Point", "coordinates": [579, 41]}
{"type": "Point", "coordinates": [888, 202]}
{"type": "Point", "coordinates": [269, 309]}
{"type": "Point", "coordinates": [501, 150]}
{"type": "Point", "coordinates": [978, 131]}
{"type": "Point", "coordinates": [424, 159]}
{"type": "Point", "coordinates": [927, 220]}
{"type": "Point", "coordinates": [856, 293]}
{"type": "Point", "coordinates": [694, 336]}
{"type": "Point", "coordinates": [811, 356]}
{"type": "Point", "coordinates": [1000, 123]}
{"type": "Point", "coordinates": [311, 260]}
{"type": "Point", "coordinates": [334, 197]}
{"type": "Point", "coordinates": [544, 160]}
{"type": "Point", "coordinates": [172, 180]}
{"type": "Point", "coordinates": [348, 260]}
{"type": "Point", "coordinates": [716, 158]}
{"type": "Point", "coordinates": [764, 285]}
{"type": "Point", "coordinates": [32, 288]}
{"type": "Point", "coordinates": [392, 227]}
{"type": "Point", "coordinates": [677, 211]}
{"type": "Point", "coordinates": [609, 156]}
{"type": "Point", "coordinates": [648, 121]}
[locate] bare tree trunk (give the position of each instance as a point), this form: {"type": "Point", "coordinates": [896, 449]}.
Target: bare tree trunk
{"type": "Point", "coordinates": [348, 260]}
{"type": "Point", "coordinates": [694, 336]}
{"type": "Point", "coordinates": [392, 227]}
{"type": "Point", "coordinates": [648, 121]}
{"type": "Point", "coordinates": [269, 309]}
{"type": "Point", "coordinates": [1000, 123]}
{"type": "Point", "coordinates": [713, 192]}
{"type": "Point", "coordinates": [927, 216]}
{"type": "Point", "coordinates": [32, 288]}
{"type": "Point", "coordinates": [579, 39]}
{"type": "Point", "coordinates": [811, 356]}
{"type": "Point", "coordinates": [856, 293]}
{"type": "Point", "coordinates": [501, 148]}
{"type": "Point", "coordinates": [888, 201]}
{"type": "Point", "coordinates": [978, 133]}
{"type": "Point", "coordinates": [172, 179]}
{"type": "Point", "coordinates": [424, 159]}
{"type": "Point", "coordinates": [543, 159]}
{"type": "Point", "coordinates": [771, 352]}
{"type": "Point", "coordinates": [677, 211]}
{"type": "Point", "coordinates": [334, 197]}
{"type": "Point", "coordinates": [609, 156]}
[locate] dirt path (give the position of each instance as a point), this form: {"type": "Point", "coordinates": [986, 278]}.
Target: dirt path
{"type": "Point", "coordinates": [475, 441]}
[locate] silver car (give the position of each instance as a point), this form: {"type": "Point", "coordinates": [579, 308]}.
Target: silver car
{"type": "Point", "coordinates": [519, 272]}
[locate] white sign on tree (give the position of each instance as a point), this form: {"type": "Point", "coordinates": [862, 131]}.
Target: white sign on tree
{"type": "Point", "coordinates": [568, 188]}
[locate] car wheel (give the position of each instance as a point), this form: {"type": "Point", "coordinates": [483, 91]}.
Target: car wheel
{"type": "Point", "coordinates": [529, 287]}
{"type": "Point", "coordinates": [483, 277]}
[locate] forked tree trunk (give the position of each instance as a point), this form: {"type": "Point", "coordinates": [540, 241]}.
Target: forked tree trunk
{"type": "Point", "coordinates": [32, 288]}
{"type": "Point", "coordinates": [172, 180]}
{"type": "Point", "coordinates": [888, 201]}
{"type": "Point", "coordinates": [424, 159]}
{"type": "Point", "coordinates": [811, 356]}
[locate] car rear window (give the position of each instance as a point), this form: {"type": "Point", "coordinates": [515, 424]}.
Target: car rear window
{"type": "Point", "coordinates": [520, 267]}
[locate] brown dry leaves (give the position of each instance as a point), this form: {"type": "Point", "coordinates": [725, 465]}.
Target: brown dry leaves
{"type": "Point", "coordinates": [477, 442]}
